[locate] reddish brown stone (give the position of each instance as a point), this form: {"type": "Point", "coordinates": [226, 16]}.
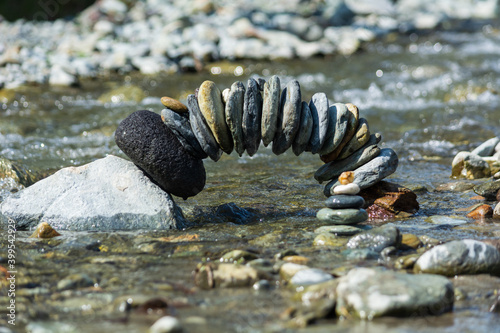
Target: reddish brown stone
{"type": "Point", "coordinates": [394, 198]}
{"type": "Point", "coordinates": [481, 212]}
{"type": "Point", "coordinates": [478, 197]}
{"type": "Point", "coordinates": [498, 195]}
{"type": "Point", "coordinates": [378, 213]}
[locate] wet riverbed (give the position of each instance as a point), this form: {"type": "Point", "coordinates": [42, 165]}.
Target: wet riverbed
{"type": "Point", "coordinates": [430, 97]}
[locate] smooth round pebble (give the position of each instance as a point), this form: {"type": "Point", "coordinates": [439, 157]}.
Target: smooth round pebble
{"type": "Point", "coordinates": [174, 105]}
{"type": "Point", "coordinates": [344, 201]}
{"type": "Point", "coordinates": [166, 324]}
{"type": "Point", "coordinates": [349, 189]}
{"type": "Point", "coordinates": [342, 216]}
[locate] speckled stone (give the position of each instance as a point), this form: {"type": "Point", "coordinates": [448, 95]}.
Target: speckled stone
{"type": "Point", "coordinates": [334, 139]}
{"type": "Point", "coordinates": [319, 112]}
{"type": "Point", "coordinates": [234, 114]}
{"type": "Point", "coordinates": [334, 169]}
{"type": "Point", "coordinates": [299, 145]}
{"type": "Point", "coordinates": [174, 105]}
{"type": "Point", "coordinates": [352, 125]}
{"type": "Point", "coordinates": [359, 139]}
{"type": "Point", "coordinates": [270, 109]}
{"type": "Point", "coordinates": [342, 216]}
{"type": "Point", "coordinates": [252, 117]}
{"type": "Point", "coordinates": [288, 117]}
{"type": "Point", "coordinates": [212, 109]}
{"type": "Point", "coordinates": [152, 146]}
{"type": "Point", "coordinates": [202, 131]}
{"type": "Point", "coordinates": [344, 201]}
{"type": "Point", "coordinates": [179, 124]}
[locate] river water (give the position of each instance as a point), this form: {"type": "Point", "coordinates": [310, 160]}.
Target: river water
{"type": "Point", "coordinates": [430, 96]}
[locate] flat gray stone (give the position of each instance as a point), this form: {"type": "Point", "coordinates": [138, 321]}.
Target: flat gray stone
{"type": "Point", "coordinates": [299, 145]}
{"type": "Point", "coordinates": [234, 115]}
{"type": "Point", "coordinates": [180, 125]}
{"type": "Point", "coordinates": [466, 256]}
{"type": "Point", "coordinates": [288, 117]}
{"type": "Point", "coordinates": [332, 170]}
{"type": "Point", "coordinates": [252, 117]}
{"type": "Point", "coordinates": [319, 112]}
{"type": "Point", "coordinates": [309, 276]}
{"type": "Point", "coordinates": [376, 239]}
{"type": "Point", "coordinates": [108, 194]}
{"type": "Point", "coordinates": [487, 148]}
{"type": "Point", "coordinates": [372, 172]}
{"type": "Point", "coordinates": [337, 127]}
{"type": "Point", "coordinates": [368, 293]}
{"type": "Point", "coordinates": [270, 109]}
{"type": "Point", "coordinates": [202, 131]}
{"type": "Point", "coordinates": [342, 216]}
{"type": "Point", "coordinates": [344, 201]}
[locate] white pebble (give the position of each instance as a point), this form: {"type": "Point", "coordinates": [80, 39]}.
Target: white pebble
{"type": "Point", "coordinates": [166, 324]}
{"type": "Point", "coordinates": [351, 188]}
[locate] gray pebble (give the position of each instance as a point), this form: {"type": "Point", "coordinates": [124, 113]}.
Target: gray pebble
{"type": "Point", "coordinates": [339, 114]}
{"type": "Point", "coordinates": [344, 201]}
{"type": "Point", "coordinates": [201, 130]}
{"type": "Point", "coordinates": [288, 117]}
{"type": "Point", "coordinates": [299, 145]}
{"type": "Point", "coordinates": [319, 112]}
{"type": "Point", "coordinates": [234, 114]}
{"type": "Point", "coordinates": [270, 109]}
{"type": "Point", "coordinates": [179, 124]}
{"type": "Point", "coordinates": [252, 117]}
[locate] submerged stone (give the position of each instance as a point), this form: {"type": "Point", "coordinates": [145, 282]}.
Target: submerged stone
{"type": "Point", "coordinates": [368, 293]}
{"type": "Point", "coordinates": [460, 257]}
{"type": "Point", "coordinates": [376, 239]}
{"type": "Point", "coordinates": [107, 194]}
{"type": "Point", "coordinates": [151, 145]}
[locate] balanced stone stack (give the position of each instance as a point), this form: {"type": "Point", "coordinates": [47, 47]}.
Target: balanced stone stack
{"type": "Point", "coordinates": [239, 119]}
{"type": "Point", "coordinates": [345, 206]}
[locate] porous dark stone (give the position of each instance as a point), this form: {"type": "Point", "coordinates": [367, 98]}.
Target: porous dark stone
{"type": "Point", "coordinates": [344, 201]}
{"type": "Point", "coordinates": [252, 117]}
{"type": "Point", "coordinates": [152, 146]}
{"type": "Point", "coordinates": [376, 239]}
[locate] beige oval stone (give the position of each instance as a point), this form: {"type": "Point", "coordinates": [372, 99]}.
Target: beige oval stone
{"type": "Point", "coordinates": [212, 109]}
{"type": "Point", "coordinates": [174, 104]}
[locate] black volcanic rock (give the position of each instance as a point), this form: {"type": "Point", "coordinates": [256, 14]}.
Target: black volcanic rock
{"type": "Point", "coordinates": [152, 146]}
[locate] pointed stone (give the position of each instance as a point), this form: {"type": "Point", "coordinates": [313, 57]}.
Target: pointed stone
{"type": "Point", "coordinates": [288, 117]}
{"type": "Point", "coordinates": [234, 114]}
{"type": "Point", "coordinates": [202, 131]}
{"type": "Point", "coordinates": [270, 109]}
{"type": "Point", "coordinates": [305, 129]}
{"type": "Point", "coordinates": [252, 117]}
{"type": "Point", "coordinates": [210, 104]}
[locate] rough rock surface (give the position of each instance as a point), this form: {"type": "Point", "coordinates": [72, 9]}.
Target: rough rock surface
{"type": "Point", "coordinates": [368, 293]}
{"type": "Point", "coordinates": [154, 147]}
{"type": "Point", "coordinates": [465, 256]}
{"type": "Point", "coordinates": [393, 198]}
{"type": "Point", "coordinates": [107, 194]}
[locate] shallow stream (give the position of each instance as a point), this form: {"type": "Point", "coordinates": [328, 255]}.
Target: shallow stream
{"type": "Point", "coordinates": [429, 96]}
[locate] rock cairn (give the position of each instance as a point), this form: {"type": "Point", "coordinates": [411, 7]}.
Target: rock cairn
{"type": "Point", "coordinates": [239, 119]}
{"type": "Point", "coordinates": [345, 206]}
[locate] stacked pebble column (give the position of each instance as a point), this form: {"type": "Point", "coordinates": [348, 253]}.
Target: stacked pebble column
{"type": "Point", "coordinates": [170, 147]}
{"type": "Point", "coordinates": [344, 206]}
